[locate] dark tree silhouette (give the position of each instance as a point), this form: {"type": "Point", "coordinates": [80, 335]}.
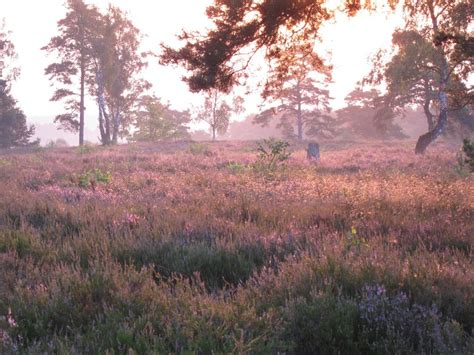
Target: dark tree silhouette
{"type": "Point", "coordinates": [14, 131]}
{"type": "Point", "coordinates": [13, 128]}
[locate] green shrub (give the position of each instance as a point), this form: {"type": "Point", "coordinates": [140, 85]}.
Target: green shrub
{"type": "Point", "coordinates": [236, 168]}
{"type": "Point", "coordinates": [198, 149]}
{"type": "Point", "coordinates": [94, 177]}
{"type": "Point", "coordinates": [86, 148]}
{"type": "Point", "coordinates": [4, 163]}
{"type": "Point", "coordinates": [271, 153]}
{"type": "Point", "coordinates": [17, 241]}
{"type": "Point", "coordinates": [324, 324]}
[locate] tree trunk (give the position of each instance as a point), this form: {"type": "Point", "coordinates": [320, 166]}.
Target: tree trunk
{"type": "Point", "coordinates": [428, 114]}
{"type": "Point", "coordinates": [300, 123]}
{"type": "Point", "coordinates": [116, 126]}
{"type": "Point", "coordinates": [214, 117]}
{"type": "Point", "coordinates": [104, 121]}
{"type": "Point", "coordinates": [299, 116]}
{"type": "Point", "coordinates": [82, 101]}
{"type": "Point", "coordinates": [426, 139]}
{"type": "Point", "coordinates": [101, 125]}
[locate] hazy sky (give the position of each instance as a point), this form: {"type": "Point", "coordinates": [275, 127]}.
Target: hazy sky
{"type": "Point", "coordinates": [33, 23]}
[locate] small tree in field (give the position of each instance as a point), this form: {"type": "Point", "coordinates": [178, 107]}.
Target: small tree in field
{"type": "Point", "coordinates": [217, 111]}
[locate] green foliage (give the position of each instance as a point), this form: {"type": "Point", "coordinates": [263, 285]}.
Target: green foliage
{"type": "Point", "coordinates": [236, 168]}
{"type": "Point", "coordinates": [303, 100]}
{"type": "Point", "coordinates": [217, 111]}
{"type": "Point", "coordinates": [158, 122]}
{"type": "Point", "coordinates": [322, 324]}
{"type": "Point", "coordinates": [271, 154]}
{"type": "Point", "coordinates": [96, 51]}
{"type": "Point", "coordinates": [17, 241]}
{"type": "Point", "coordinates": [14, 131]}
{"type": "Point", "coordinates": [366, 117]}
{"type": "Point", "coordinates": [4, 163]}
{"type": "Point", "coordinates": [465, 159]}
{"type": "Point", "coordinates": [94, 177]}
{"type": "Point", "coordinates": [355, 241]}
{"type": "Point", "coordinates": [86, 148]}
{"type": "Point", "coordinates": [58, 143]}
{"type": "Point", "coordinates": [198, 149]}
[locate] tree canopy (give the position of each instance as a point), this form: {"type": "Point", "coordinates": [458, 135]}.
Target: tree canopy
{"type": "Point", "coordinates": [99, 52]}
{"type": "Point", "coordinates": [217, 111]}
{"type": "Point", "coordinates": [13, 128]}
{"type": "Point", "coordinates": [218, 58]}
{"type": "Point", "coordinates": [301, 95]}
{"type": "Point", "coordinates": [8, 70]}
{"type": "Point", "coordinates": [366, 116]}
{"type": "Point", "coordinates": [156, 121]}
{"type": "Point", "coordinates": [70, 71]}
{"type": "Point", "coordinates": [117, 63]}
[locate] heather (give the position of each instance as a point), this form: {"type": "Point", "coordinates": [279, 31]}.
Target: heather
{"type": "Point", "coordinates": [186, 247]}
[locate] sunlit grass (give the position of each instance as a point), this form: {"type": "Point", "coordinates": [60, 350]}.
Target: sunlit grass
{"type": "Point", "coordinates": [174, 249]}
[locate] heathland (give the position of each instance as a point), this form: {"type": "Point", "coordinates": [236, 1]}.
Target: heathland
{"type": "Point", "coordinates": [202, 247]}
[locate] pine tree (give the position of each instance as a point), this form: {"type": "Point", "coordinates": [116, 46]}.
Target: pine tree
{"type": "Point", "coordinates": [300, 88]}
{"type": "Point", "coordinates": [72, 48]}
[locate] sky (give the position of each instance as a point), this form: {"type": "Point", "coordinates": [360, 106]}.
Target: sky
{"type": "Point", "coordinates": [33, 23]}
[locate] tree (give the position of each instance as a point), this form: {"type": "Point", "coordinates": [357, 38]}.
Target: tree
{"type": "Point", "coordinates": [158, 122]}
{"type": "Point", "coordinates": [117, 64]}
{"type": "Point", "coordinates": [304, 100]}
{"type": "Point", "coordinates": [58, 143]}
{"type": "Point", "coordinates": [429, 68]}
{"type": "Point", "coordinates": [14, 131]}
{"type": "Point", "coordinates": [276, 25]}
{"type": "Point", "coordinates": [8, 70]}
{"type": "Point", "coordinates": [412, 78]}
{"type": "Point", "coordinates": [72, 48]}
{"type": "Point", "coordinates": [13, 128]}
{"type": "Point", "coordinates": [217, 58]}
{"type": "Point", "coordinates": [366, 116]}
{"type": "Point", "coordinates": [217, 111]}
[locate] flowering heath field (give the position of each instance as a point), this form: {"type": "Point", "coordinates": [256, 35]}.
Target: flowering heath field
{"type": "Point", "coordinates": [202, 248]}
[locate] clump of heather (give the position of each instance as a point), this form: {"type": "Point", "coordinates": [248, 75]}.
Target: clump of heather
{"type": "Point", "coordinates": [187, 248]}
